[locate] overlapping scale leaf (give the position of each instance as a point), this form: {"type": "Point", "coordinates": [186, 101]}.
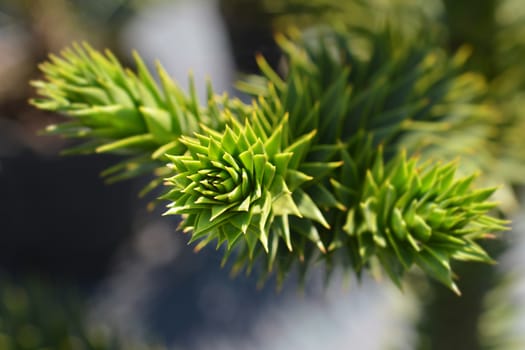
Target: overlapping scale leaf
{"type": "Point", "coordinates": [298, 173]}
{"type": "Point", "coordinates": [409, 94]}
{"type": "Point", "coordinates": [123, 111]}
{"type": "Point", "coordinates": [407, 214]}
{"type": "Point", "coordinates": [358, 89]}
{"type": "Point", "coordinates": [241, 188]}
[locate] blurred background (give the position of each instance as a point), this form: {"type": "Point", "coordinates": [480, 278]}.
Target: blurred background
{"type": "Point", "coordinates": [84, 265]}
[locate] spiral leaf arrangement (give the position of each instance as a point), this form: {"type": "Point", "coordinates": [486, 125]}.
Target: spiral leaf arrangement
{"type": "Point", "coordinates": [341, 82]}
{"type": "Point", "coordinates": [121, 111]}
{"type": "Point", "coordinates": [407, 214]}
{"type": "Point", "coordinates": [299, 176]}
{"type": "Point", "coordinates": [238, 183]}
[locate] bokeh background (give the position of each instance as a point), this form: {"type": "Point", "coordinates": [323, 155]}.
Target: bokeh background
{"type": "Point", "coordinates": [76, 251]}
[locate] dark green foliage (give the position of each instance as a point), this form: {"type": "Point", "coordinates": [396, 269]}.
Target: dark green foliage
{"type": "Point", "coordinates": [412, 96]}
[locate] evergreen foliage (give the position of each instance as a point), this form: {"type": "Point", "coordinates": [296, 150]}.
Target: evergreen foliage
{"type": "Point", "coordinates": [123, 111]}
{"type": "Point", "coordinates": [321, 166]}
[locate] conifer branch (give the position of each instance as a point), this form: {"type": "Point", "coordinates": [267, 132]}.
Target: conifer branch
{"type": "Point", "coordinates": [121, 111]}
{"type": "Point", "coordinates": [315, 168]}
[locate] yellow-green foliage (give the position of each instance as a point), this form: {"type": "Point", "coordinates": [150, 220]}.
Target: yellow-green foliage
{"type": "Point", "coordinates": [315, 168]}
